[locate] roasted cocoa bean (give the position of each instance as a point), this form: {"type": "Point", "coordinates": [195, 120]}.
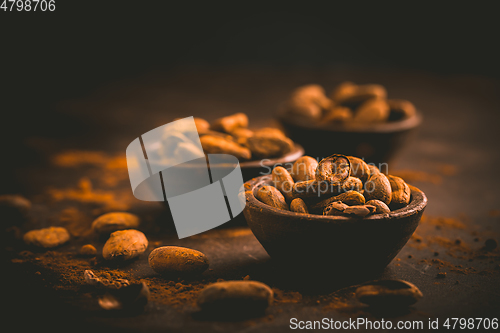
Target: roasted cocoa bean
{"type": "Point", "coordinates": [283, 181]}
{"type": "Point", "coordinates": [388, 293]}
{"type": "Point", "coordinates": [230, 296]}
{"type": "Point", "coordinates": [218, 145]}
{"type": "Point", "coordinates": [124, 245]}
{"type": "Point", "coordinates": [272, 197]}
{"type": "Point", "coordinates": [111, 222]}
{"type": "Point", "coordinates": [360, 211]}
{"type": "Point", "coordinates": [47, 237]}
{"type": "Point", "coordinates": [177, 261]}
{"type": "Point", "coordinates": [335, 208]}
{"type": "Point", "coordinates": [372, 111]}
{"type": "Point", "coordinates": [359, 168]}
{"type": "Point", "coordinates": [351, 198]}
{"type": "Point", "coordinates": [400, 192]}
{"type": "Point", "coordinates": [381, 208]}
{"type": "Point", "coordinates": [230, 123]}
{"type": "Point", "coordinates": [304, 169]}
{"type": "Point", "coordinates": [378, 187]}
{"type": "Point", "coordinates": [299, 206]}
{"type": "Point", "coordinates": [334, 169]}
{"type": "Point", "coordinates": [267, 144]}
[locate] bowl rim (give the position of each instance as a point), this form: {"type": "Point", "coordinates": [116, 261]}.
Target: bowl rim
{"type": "Point", "coordinates": [297, 152]}
{"type": "Point", "coordinates": [386, 127]}
{"type": "Point", "coordinates": [417, 204]}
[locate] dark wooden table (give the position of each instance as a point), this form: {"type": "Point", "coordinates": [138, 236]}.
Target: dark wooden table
{"type": "Point", "coordinates": [454, 159]}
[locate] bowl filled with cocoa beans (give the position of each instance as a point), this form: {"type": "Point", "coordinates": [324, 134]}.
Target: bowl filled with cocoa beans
{"type": "Point", "coordinates": [337, 215]}
{"type": "Point", "coordinates": [358, 120]}
{"type": "Point", "coordinates": [257, 150]}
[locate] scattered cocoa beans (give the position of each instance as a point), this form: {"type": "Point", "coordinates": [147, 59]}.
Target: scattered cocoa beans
{"type": "Point", "coordinates": [88, 250]}
{"type": "Point", "coordinates": [124, 245]}
{"type": "Point", "coordinates": [235, 296]}
{"type": "Point", "coordinates": [388, 293]}
{"type": "Point", "coordinates": [177, 261]}
{"type": "Point", "coordinates": [111, 222]}
{"type": "Point", "coordinates": [47, 237]}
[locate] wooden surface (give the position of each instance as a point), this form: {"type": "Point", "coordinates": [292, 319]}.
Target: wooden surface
{"type": "Point", "coordinates": [454, 160]}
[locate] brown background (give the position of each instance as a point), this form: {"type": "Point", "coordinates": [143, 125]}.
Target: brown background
{"type": "Point", "coordinates": [94, 77]}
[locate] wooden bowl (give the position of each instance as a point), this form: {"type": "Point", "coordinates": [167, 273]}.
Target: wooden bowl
{"type": "Point", "coordinates": [376, 143]}
{"type": "Point", "coordinates": [338, 245]}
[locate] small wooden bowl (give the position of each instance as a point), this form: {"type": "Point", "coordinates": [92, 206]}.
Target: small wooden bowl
{"type": "Point", "coordinates": [337, 245]}
{"type": "Point", "coordinates": [376, 143]}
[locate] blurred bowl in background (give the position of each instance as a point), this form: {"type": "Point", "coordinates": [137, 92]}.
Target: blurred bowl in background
{"type": "Point", "coordinates": [376, 143]}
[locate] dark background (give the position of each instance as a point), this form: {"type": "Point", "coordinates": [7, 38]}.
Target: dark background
{"type": "Point", "coordinates": [81, 46]}
{"type": "Point", "coordinates": [48, 57]}
{"type": "Point", "coordinates": [84, 44]}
